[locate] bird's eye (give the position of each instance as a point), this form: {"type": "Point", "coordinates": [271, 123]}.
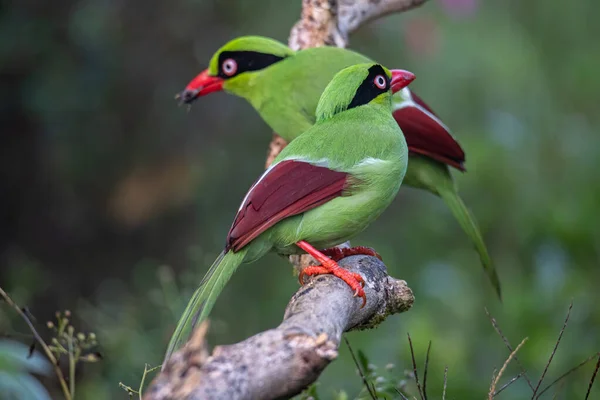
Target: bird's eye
{"type": "Point", "coordinates": [229, 67]}
{"type": "Point", "coordinates": [380, 82]}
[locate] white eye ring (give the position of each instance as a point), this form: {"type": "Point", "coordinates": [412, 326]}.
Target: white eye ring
{"type": "Point", "coordinates": [229, 67]}
{"type": "Point", "coordinates": [380, 82]}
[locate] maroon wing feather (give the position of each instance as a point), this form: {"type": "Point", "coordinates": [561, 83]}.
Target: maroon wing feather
{"type": "Point", "coordinates": [427, 136]}
{"type": "Point", "coordinates": [289, 188]}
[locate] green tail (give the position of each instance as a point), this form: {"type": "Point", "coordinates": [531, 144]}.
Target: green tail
{"type": "Point", "coordinates": [469, 225]}
{"type": "Point", "coordinates": [204, 298]}
{"type": "Point", "coordinates": [425, 173]}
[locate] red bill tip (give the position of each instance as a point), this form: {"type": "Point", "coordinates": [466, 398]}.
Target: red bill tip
{"type": "Point", "coordinates": [401, 79]}
{"type": "Point", "coordinates": [201, 85]}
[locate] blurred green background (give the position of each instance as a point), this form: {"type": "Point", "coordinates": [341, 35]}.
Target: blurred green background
{"type": "Point", "coordinates": [114, 201]}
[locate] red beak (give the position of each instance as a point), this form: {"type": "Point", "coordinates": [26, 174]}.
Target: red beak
{"type": "Point", "coordinates": [199, 86]}
{"type": "Point", "coordinates": [401, 79]}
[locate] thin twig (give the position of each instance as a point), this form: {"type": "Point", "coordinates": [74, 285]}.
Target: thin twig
{"type": "Point", "coordinates": [593, 378]}
{"type": "Point", "coordinates": [445, 382]}
{"type": "Point", "coordinates": [360, 372]}
{"type": "Point", "coordinates": [493, 378]}
{"type": "Point", "coordinates": [425, 372]}
{"type": "Point", "coordinates": [71, 364]}
{"type": "Point", "coordinates": [29, 314]}
{"type": "Point", "coordinates": [507, 384]}
{"type": "Point", "coordinates": [553, 350]}
{"type": "Point", "coordinates": [47, 351]}
{"type": "Point", "coordinates": [414, 363]}
{"type": "Point", "coordinates": [569, 372]}
{"type": "Point", "coordinates": [141, 389]}
{"type": "Point", "coordinates": [401, 394]}
{"type": "Point", "coordinates": [146, 372]}
{"type": "Point", "coordinates": [130, 391]}
{"type": "Point", "coordinates": [497, 379]}
{"type": "Point", "coordinates": [507, 343]}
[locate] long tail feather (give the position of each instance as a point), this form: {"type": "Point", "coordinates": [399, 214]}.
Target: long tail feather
{"type": "Point", "coordinates": [204, 298]}
{"type": "Point", "coordinates": [469, 225]}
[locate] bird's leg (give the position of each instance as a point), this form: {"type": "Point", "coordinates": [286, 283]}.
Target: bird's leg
{"type": "Point", "coordinates": [329, 266]}
{"type": "Point", "coordinates": [337, 253]}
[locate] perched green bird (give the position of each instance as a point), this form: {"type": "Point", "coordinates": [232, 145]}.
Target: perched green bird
{"type": "Point", "coordinates": [324, 188]}
{"type": "Point", "coordinates": [284, 87]}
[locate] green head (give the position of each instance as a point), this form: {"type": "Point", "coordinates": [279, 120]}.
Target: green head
{"type": "Point", "coordinates": [234, 65]}
{"type": "Point", "coordinates": [361, 85]}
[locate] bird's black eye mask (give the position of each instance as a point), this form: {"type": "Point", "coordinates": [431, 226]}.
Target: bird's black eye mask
{"type": "Point", "coordinates": [376, 83]}
{"type": "Point", "coordinates": [232, 63]}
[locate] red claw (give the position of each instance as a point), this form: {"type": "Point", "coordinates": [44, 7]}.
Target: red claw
{"type": "Point", "coordinates": [329, 266]}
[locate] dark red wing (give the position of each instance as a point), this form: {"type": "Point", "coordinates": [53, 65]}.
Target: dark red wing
{"type": "Point", "coordinates": [426, 135]}
{"type": "Point", "coordinates": [289, 188]}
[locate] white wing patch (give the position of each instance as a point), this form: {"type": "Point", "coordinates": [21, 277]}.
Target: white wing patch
{"type": "Point", "coordinates": [323, 162]}
{"type": "Point", "coordinates": [370, 161]}
{"type": "Point", "coordinates": [256, 183]}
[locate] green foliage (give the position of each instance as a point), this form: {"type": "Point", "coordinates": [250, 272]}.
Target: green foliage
{"type": "Point", "coordinates": [309, 394]}
{"type": "Point", "coordinates": [382, 383]}
{"type": "Point", "coordinates": [18, 364]}
{"type": "Point", "coordinates": [386, 383]}
{"type": "Point", "coordinates": [76, 346]}
{"type": "Point", "coordinates": [104, 180]}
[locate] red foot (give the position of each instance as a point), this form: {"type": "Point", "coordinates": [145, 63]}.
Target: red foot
{"type": "Point", "coordinates": [329, 266]}
{"type": "Point", "coordinates": [336, 253]}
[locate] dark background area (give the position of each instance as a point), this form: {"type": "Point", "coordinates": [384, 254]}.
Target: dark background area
{"type": "Point", "coordinates": [114, 201]}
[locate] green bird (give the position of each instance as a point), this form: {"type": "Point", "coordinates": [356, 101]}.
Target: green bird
{"type": "Point", "coordinates": [324, 188]}
{"type": "Point", "coordinates": [284, 87]}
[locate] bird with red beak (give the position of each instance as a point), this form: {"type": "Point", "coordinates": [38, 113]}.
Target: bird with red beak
{"type": "Point", "coordinates": [284, 87]}
{"type": "Point", "coordinates": [323, 189]}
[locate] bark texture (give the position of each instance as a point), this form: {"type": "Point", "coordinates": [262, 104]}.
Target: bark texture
{"type": "Point", "coordinates": [281, 362]}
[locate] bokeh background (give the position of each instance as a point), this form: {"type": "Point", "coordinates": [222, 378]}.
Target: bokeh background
{"type": "Point", "coordinates": [114, 201]}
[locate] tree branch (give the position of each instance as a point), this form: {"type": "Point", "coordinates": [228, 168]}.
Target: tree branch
{"type": "Point", "coordinates": [355, 13]}
{"type": "Point", "coordinates": [330, 22]}
{"type": "Point", "coordinates": [281, 362]}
